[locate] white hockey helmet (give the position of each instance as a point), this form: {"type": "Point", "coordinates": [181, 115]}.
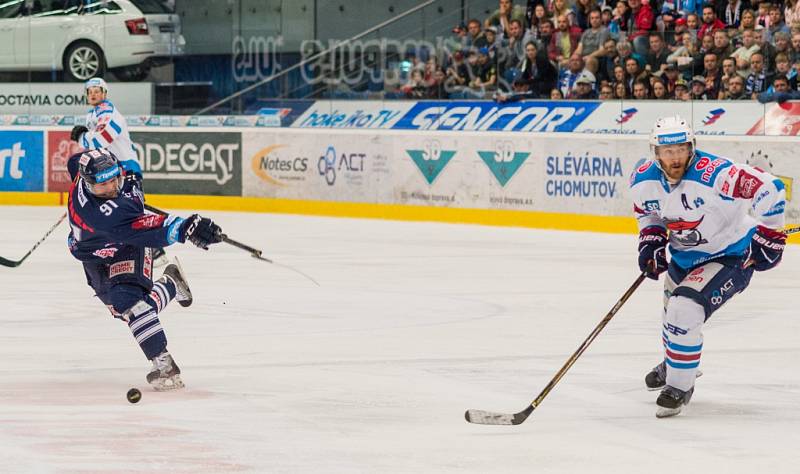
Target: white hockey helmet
{"type": "Point", "coordinates": [671, 131]}
{"type": "Point", "coordinates": [96, 82]}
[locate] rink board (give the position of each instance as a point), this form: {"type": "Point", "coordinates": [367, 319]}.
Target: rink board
{"type": "Point", "coordinates": [544, 180]}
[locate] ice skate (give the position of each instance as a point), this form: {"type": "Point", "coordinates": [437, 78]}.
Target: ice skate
{"type": "Point", "coordinates": [657, 378]}
{"type": "Point", "coordinates": [165, 374]}
{"type": "Point", "coordinates": [672, 400]}
{"type": "Point", "coordinates": [174, 272]}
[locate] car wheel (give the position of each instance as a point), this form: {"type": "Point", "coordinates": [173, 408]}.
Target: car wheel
{"type": "Point", "coordinates": [84, 61]}
{"type": "Point", "coordinates": [132, 73]}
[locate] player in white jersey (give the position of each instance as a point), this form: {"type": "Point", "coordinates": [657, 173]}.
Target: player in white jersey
{"type": "Point", "coordinates": [106, 127]}
{"type": "Point", "coordinates": [722, 220]}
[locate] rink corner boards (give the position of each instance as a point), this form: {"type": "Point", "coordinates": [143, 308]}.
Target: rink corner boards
{"type": "Point", "coordinates": [400, 212]}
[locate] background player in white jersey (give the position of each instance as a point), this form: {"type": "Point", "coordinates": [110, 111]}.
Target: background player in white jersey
{"type": "Point", "coordinates": [106, 128]}
{"type": "Point", "coordinates": [724, 221]}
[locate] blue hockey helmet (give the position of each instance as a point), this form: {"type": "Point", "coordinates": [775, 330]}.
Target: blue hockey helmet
{"type": "Point", "coordinates": [97, 167]}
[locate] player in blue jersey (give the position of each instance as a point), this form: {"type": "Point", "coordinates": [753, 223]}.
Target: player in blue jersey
{"type": "Point", "coordinates": [113, 237]}
{"type": "Point", "coordinates": [722, 221]}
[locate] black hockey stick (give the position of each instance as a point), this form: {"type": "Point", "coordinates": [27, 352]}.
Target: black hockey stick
{"type": "Point", "coordinates": [254, 252]}
{"type": "Point", "coordinates": [15, 263]}
{"type": "Point", "coordinates": [492, 418]}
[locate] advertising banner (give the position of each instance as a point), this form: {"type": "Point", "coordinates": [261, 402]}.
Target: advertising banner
{"type": "Point", "coordinates": [528, 116]}
{"type": "Point", "coordinates": [59, 149]}
{"type": "Point", "coordinates": [70, 98]}
{"type": "Point", "coordinates": [349, 114]}
{"type": "Point", "coordinates": [207, 163]}
{"type": "Point", "coordinates": [21, 161]}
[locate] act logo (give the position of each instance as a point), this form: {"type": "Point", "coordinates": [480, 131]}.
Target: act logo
{"type": "Point", "coordinates": [431, 160]}
{"type": "Point", "coordinates": [626, 115]}
{"type": "Point", "coordinates": [332, 163]}
{"type": "Point", "coordinates": [713, 116]}
{"type": "Point", "coordinates": [504, 161]}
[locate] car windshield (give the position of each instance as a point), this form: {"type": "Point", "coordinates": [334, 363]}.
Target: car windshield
{"type": "Point", "coordinates": [151, 6]}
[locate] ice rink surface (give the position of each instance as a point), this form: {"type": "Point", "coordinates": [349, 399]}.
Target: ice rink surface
{"type": "Point", "coordinates": [372, 371]}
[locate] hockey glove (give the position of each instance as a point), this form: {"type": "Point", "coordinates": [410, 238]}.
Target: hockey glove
{"type": "Point", "coordinates": [201, 231]}
{"type": "Point", "coordinates": [652, 251]}
{"type": "Point", "coordinates": [77, 131]}
{"type": "Point", "coordinates": [766, 248]}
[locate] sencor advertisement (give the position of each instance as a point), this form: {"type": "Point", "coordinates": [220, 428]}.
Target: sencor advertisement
{"type": "Point", "coordinates": [21, 161]}
{"type": "Point", "coordinates": [206, 163]}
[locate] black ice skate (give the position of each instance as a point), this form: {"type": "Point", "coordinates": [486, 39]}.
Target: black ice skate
{"type": "Point", "coordinates": [165, 374]}
{"type": "Point", "coordinates": [672, 400]}
{"type": "Point", "coordinates": [657, 377]}
{"type": "Point", "coordinates": [174, 272]}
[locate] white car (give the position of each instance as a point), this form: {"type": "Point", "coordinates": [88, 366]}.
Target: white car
{"type": "Point", "coordinates": [86, 38]}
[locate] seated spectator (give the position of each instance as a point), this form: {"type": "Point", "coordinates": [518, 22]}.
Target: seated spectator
{"type": "Point", "coordinates": [660, 90]}
{"type": "Point", "coordinates": [656, 58]}
{"type": "Point", "coordinates": [783, 67]}
{"type": "Point", "coordinates": [517, 38]}
{"type": "Point", "coordinates": [556, 94]}
{"type": "Point", "coordinates": [643, 21]}
{"type": "Point", "coordinates": [606, 92]}
{"type": "Point", "coordinates": [776, 24]}
{"type": "Point", "coordinates": [606, 66]}
{"type": "Point", "coordinates": [505, 13]}
{"type": "Point", "coordinates": [560, 8]}
{"type": "Point", "coordinates": [722, 45]}
{"type": "Point", "coordinates": [584, 87]}
{"type": "Point", "coordinates": [766, 48]}
{"type": "Point", "coordinates": [621, 91]}
{"type": "Point", "coordinates": [458, 72]}
{"type": "Point", "coordinates": [564, 41]}
{"type": "Point", "coordinates": [594, 38]}
{"type": "Point", "coordinates": [698, 88]}
{"type": "Point", "coordinates": [781, 92]}
{"type": "Point", "coordinates": [539, 15]}
{"type": "Point", "coordinates": [710, 22]}
{"type": "Point", "coordinates": [521, 91]}
{"type": "Point", "coordinates": [762, 17]}
{"type": "Point", "coordinates": [641, 89]}
{"type": "Point", "coordinates": [748, 22]}
{"type": "Point", "coordinates": [732, 12]}
{"type": "Point", "coordinates": [759, 80]}
{"type": "Point", "coordinates": [783, 44]}
{"type": "Point", "coordinates": [619, 20]}
{"type": "Point", "coordinates": [673, 37]}
{"type": "Point", "coordinates": [582, 10]}
{"type": "Point", "coordinates": [735, 89]}
{"type": "Point", "coordinates": [742, 55]}
{"type": "Point", "coordinates": [537, 71]}
{"type": "Point", "coordinates": [728, 71]}
{"type": "Point", "coordinates": [632, 72]}
{"type": "Point", "coordinates": [794, 57]}
{"type": "Point", "coordinates": [567, 76]}
{"type": "Point", "coordinates": [625, 51]}
{"type": "Point", "coordinates": [607, 20]}
{"type": "Point", "coordinates": [712, 75]}
{"type": "Point", "coordinates": [792, 12]}
{"type": "Point", "coordinates": [437, 89]}
{"type": "Point", "coordinates": [484, 73]}
{"type": "Point", "coordinates": [474, 37]}
{"type": "Point", "coordinates": [416, 87]}
{"type": "Point", "coordinates": [683, 57]}
{"type": "Point", "coordinates": [682, 90]}
{"type": "Point", "coordinates": [693, 24]}
{"type": "Point", "coordinates": [620, 76]}
{"type": "Point", "coordinates": [670, 78]}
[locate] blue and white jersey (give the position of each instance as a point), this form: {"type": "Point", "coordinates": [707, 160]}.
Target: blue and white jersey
{"type": "Point", "coordinates": [713, 211]}
{"type": "Point", "coordinates": [108, 129]}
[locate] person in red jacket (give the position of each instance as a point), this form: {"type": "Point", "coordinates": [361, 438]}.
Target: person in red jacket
{"type": "Point", "coordinates": [710, 22]}
{"type": "Point", "coordinates": [640, 23]}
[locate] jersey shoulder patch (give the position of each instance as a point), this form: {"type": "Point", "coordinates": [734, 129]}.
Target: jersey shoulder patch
{"type": "Point", "coordinates": [647, 170]}
{"type": "Point", "coordinates": [705, 168]}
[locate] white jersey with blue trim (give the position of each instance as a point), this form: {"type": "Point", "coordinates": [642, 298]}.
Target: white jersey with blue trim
{"type": "Point", "coordinates": [713, 211]}
{"type": "Point", "coordinates": [108, 129]}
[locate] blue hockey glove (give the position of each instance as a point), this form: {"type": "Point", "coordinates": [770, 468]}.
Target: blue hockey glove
{"type": "Point", "coordinates": [200, 231]}
{"type": "Point", "coordinates": [766, 248]}
{"type": "Point", "coordinates": [652, 251]}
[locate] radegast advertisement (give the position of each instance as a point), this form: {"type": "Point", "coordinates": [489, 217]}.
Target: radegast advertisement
{"type": "Point", "coordinates": [21, 161]}
{"type": "Point", "coordinates": [207, 163]}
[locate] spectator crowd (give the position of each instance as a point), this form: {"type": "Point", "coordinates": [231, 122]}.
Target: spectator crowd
{"type": "Point", "coordinates": [620, 49]}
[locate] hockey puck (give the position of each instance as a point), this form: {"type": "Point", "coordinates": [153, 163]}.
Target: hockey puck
{"type": "Point", "coordinates": [134, 395]}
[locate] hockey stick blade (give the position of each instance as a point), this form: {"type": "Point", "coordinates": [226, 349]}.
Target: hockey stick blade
{"type": "Point", "coordinates": [15, 263]}
{"type": "Point", "coordinates": [481, 417]}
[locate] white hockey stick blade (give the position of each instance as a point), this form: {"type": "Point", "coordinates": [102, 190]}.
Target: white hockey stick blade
{"type": "Point", "coordinates": [489, 418]}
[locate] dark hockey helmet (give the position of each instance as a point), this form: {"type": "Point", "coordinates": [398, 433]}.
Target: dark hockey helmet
{"type": "Point", "coordinates": [98, 167]}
